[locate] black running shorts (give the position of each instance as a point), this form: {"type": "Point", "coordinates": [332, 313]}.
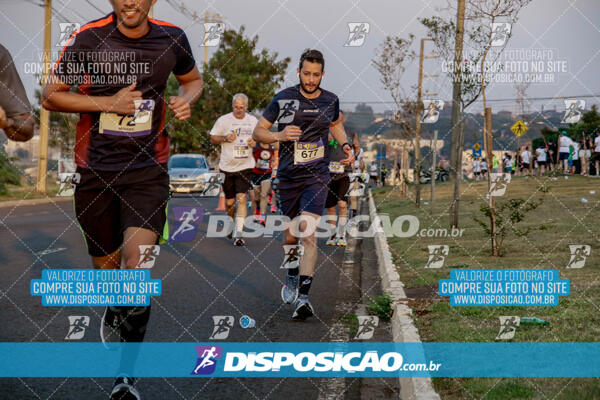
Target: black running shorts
{"type": "Point", "coordinates": [237, 182]}
{"type": "Point", "coordinates": [337, 191]}
{"type": "Point", "coordinates": [106, 203]}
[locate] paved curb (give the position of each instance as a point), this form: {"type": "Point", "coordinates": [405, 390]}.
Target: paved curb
{"type": "Point", "coordinates": [403, 327]}
{"type": "Point", "coordinates": [33, 202]}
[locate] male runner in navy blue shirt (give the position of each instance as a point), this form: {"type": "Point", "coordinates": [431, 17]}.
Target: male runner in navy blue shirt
{"type": "Point", "coordinates": [120, 65]}
{"type": "Point", "coordinates": [304, 113]}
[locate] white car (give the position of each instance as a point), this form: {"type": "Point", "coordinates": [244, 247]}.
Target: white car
{"type": "Point", "coordinates": [188, 173]}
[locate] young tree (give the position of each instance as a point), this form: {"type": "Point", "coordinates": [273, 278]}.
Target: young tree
{"type": "Point", "coordinates": [392, 58]}
{"type": "Point", "coordinates": [481, 34]}
{"type": "Point", "coordinates": [237, 66]}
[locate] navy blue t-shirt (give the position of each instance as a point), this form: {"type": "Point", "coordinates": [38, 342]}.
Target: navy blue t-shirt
{"type": "Point", "coordinates": [313, 117]}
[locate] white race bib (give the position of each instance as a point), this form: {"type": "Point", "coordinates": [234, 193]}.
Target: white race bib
{"type": "Point", "coordinates": [308, 153]}
{"type": "Point", "coordinates": [336, 167]}
{"type": "Point", "coordinates": [138, 124]}
{"type": "Point", "coordinates": [241, 151]}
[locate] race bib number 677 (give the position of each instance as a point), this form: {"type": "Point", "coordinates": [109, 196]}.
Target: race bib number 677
{"type": "Point", "coordinates": [307, 153]}
{"type": "Point", "coordinates": [137, 124]}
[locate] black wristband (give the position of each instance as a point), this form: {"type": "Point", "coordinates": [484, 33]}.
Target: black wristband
{"type": "Point", "coordinates": [347, 144]}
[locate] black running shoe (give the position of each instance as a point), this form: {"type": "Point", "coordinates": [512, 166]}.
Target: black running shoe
{"type": "Point", "coordinates": [110, 328]}
{"type": "Point", "coordinates": [123, 390]}
{"type": "Point", "coordinates": [302, 308]}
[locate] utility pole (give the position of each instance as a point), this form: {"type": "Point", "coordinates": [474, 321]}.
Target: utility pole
{"type": "Point", "coordinates": [207, 18]}
{"type": "Point", "coordinates": [44, 114]}
{"type": "Point", "coordinates": [457, 140]}
{"type": "Point", "coordinates": [417, 169]}
{"type": "Point", "coordinates": [433, 169]}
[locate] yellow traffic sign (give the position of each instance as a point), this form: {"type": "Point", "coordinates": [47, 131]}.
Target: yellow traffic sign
{"type": "Point", "coordinates": [519, 128]}
{"type": "Point", "coordinates": [476, 146]}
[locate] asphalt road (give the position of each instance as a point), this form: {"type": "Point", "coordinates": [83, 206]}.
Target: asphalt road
{"type": "Point", "coordinates": [202, 278]}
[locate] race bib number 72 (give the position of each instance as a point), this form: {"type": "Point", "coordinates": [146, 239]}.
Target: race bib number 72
{"type": "Point", "coordinates": [138, 124]}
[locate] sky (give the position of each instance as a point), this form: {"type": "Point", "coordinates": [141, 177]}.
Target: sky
{"type": "Point", "coordinates": [566, 33]}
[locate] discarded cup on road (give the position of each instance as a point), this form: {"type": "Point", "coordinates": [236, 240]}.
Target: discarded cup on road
{"type": "Point", "coordinates": [584, 200]}
{"type": "Point", "coordinates": [247, 322]}
{"type": "Point", "coordinates": [534, 320]}
{"type": "Point", "coordinates": [592, 192]}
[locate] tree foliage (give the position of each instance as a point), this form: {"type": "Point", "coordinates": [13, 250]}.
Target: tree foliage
{"type": "Point", "coordinates": [237, 66]}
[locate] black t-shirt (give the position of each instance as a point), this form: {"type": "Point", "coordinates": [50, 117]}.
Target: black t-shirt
{"type": "Point", "coordinates": [13, 98]}
{"type": "Point", "coordinates": [100, 60]}
{"type": "Point", "coordinates": [314, 118]}
{"type": "Point", "coordinates": [336, 154]}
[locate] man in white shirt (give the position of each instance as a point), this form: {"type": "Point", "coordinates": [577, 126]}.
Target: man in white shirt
{"type": "Point", "coordinates": [476, 168]}
{"type": "Point", "coordinates": [484, 169]}
{"type": "Point", "coordinates": [540, 153]}
{"type": "Point", "coordinates": [233, 132]}
{"type": "Point", "coordinates": [526, 160]}
{"type": "Point", "coordinates": [596, 155]}
{"type": "Point", "coordinates": [564, 142]}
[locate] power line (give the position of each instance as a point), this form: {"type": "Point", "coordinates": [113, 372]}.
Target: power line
{"type": "Point", "coordinates": [93, 5]}
{"type": "Point", "coordinates": [491, 100]}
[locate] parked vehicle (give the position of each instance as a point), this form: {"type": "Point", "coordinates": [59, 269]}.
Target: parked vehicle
{"type": "Point", "coordinates": [441, 175]}
{"type": "Point", "coordinates": [188, 173]}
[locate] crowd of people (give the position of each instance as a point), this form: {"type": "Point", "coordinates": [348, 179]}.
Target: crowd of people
{"type": "Point", "coordinates": [566, 156]}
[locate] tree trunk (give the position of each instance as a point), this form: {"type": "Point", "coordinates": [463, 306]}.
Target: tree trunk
{"type": "Point", "coordinates": [457, 115]}
{"type": "Point", "coordinates": [488, 149]}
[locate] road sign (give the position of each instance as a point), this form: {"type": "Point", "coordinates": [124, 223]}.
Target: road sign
{"type": "Point", "coordinates": [477, 149]}
{"type": "Point", "coordinates": [519, 128]}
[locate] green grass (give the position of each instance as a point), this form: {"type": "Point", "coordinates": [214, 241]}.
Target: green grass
{"type": "Point", "coordinates": [382, 307]}
{"type": "Point", "coordinates": [560, 221]}
{"type": "Point", "coordinates": [26, 192]}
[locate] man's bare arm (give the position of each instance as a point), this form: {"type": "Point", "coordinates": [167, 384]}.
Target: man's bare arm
{"type": "Point", "coordinates": [57, 97]}
{"type": "Point", "coordinates": [18, 127]}
{"type": "Point", "coordinates": [190, 88]}
{"type": "Point", "coordinates": [339, 134]}
{"type": "Point", "coordinates": [263, 135]}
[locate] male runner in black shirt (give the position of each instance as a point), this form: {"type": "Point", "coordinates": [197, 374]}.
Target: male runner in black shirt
{"type": "Point", "coordinates": [305, 113]}
{"type": "Point", "coordinates": [121, 64]}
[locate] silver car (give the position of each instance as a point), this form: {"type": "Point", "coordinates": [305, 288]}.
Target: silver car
{"type": "Point", "coordinates": [188, 173]}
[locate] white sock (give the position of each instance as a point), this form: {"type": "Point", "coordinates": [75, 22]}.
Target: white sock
{"type": "Point", "coordinates": [342, 226]}
{"type": "Point", "coordinates": [239, 224]}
